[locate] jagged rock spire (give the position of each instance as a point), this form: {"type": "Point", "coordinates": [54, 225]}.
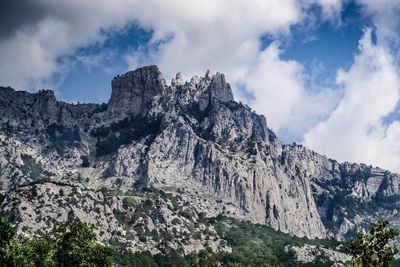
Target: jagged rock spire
{"type": "Point", "coordinates": [209, 75]}
{"type": "Point", "coordinates": [218, 90]}
{"type": "Point", "coordinates": [132, 91]}
{"type": "Point", "coordinates": [178, 80]}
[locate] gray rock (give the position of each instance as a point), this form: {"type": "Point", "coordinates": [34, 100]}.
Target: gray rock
{"type": "Point", "coordinates": [133, 92]}
{"type": "Point", "coordinates": [310, 253]}
{"type": "Point", "coordinates": [191, 138]}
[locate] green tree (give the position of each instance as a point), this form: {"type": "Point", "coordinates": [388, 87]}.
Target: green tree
{"type": "Point", "coordinates": [7, 235]}
{"type": "Point", "coordinates": [71, 244]}
{"type": "Point", "coordinates": [7, 232]}
{"type": "Point", "coordinates": [77, 246]}
{"type": "Point", "coordinates": [41, 250]}
{"type": "Point", "coordinates": [373, 249]}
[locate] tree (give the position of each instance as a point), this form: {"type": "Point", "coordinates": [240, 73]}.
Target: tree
{"type": "Point", "coordinates": [7, 232]}
{"type": "Point", "coordinates": [78, 247]}
{"type": "Point", "coordinates": [373, 249]}
{"type": "Point", "coordinates": [71, 244]}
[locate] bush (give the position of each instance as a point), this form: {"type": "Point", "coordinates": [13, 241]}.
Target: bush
{"type": "Point", "coordinates": [257, 245]}
{"type": "Point", "coordinates": [128, 202]}
{"type": "Point", "coordinates": [176, 221]}
{"type": "Point", "coordinates": [186, 213]}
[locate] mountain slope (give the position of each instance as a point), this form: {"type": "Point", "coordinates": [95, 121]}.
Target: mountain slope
{"type": "Point", "coordinates": [188, 138]}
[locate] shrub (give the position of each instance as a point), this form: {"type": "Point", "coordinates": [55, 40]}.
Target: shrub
{"type": "Point", "coordinates": [186, 213]}
{"type": "Point", "coordinates": [109, 139]}
{"type": "Point", "coordinates": [128, 202]}
{"type": "Point", "coordinates": [176, 221]}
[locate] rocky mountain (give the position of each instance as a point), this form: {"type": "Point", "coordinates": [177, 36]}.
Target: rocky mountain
{"type": "Point", "coordinates": [213, 156]}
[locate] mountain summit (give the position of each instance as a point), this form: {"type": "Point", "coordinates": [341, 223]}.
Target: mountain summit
{"type": "Point", "coordinates": [135, 90]}
{"type": "Point", "coordinates": [189, 138]}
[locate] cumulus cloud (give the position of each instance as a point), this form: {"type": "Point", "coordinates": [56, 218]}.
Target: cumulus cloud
{"type": "Point", "coordinates": [31, 55]}
{"type": "Point", "coordinates": [31, 52]}
{"type": "Point", "coordinates": [355, 130]}
{"type": "Point", "coordinates": [279, 89]}
{"type": "Point", "coordinates": [57, 28]}
{"type": "Point", "coordinates": [385, 17]}
{"type": "Point", "coordinates": [222, 34]}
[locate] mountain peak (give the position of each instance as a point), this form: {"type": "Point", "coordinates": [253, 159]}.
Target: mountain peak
{"type": "Point", "coordinates": [218, 91]}
{"type": "Point", "coordinates": [134, 90]}
{"type": "Point", "coordinates": [178, 80]}
{"type": "Point", "coordinates": [209, 75]}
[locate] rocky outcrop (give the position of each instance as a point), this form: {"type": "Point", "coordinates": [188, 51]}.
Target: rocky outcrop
{"type": "Point", "coordinates": [23, 111]}
{"type": "Point", "coordinates": [193, 139]}
{"type": "Point", "coordinates": [133, 92]}
{"type": "Point", "coordinates": [218, 91]}
{"type": "Point", "coordinates": [311, 253]}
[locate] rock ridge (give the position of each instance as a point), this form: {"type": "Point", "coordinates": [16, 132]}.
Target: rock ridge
{"type": "Point", "coordinates": [190, 138]}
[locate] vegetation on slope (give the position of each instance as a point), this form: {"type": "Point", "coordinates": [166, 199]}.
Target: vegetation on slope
{"type": "Point", "coordinates": [252, 244]}
{"type": "Point", "coordinates": [75, 242]}
{"type": "Point", "coordinates": [110, 138]}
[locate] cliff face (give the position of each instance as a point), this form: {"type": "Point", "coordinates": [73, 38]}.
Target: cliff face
{"type": "Point", "coordinates": [193, 139]}
{"type": "Point", "coordinates": [133, 92]}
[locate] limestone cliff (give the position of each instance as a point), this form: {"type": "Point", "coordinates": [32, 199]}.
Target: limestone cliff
{"type": "Point", "coordinates": [190, 138]}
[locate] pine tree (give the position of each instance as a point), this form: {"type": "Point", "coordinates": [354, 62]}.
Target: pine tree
{"type": "Point", "coordinates": [373, 249]}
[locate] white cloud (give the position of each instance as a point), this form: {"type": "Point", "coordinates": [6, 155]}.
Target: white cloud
{"type": "Point", "coordinates": [355, 130]}
{"type": "Point", "coordinates": [279, 89]}
{"type": "Point", "coordinates": [31, 54]}
{"type": "Point", "coordinates": [223, 35]}
{"type": "Point", "coordinates": [385, 15]}
{"type": "Point", "coordinates": [25, 58]}
{"type": "Point", "coordinates": [330, 8]}
{"type": "Point", "coordinates": [201, 31]}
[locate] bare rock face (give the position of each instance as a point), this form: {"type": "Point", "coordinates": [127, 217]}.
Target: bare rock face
{"type": "Point", "coordinates": [38, 110]}
{"type": "Point", "coordinates": [134, 91]}
{"type": "Point", "coordinates": [218, 91]}
{"type": "Point", "coordinates": [193, 139]}
{"type": "Point", "coordinates": [310, 253]}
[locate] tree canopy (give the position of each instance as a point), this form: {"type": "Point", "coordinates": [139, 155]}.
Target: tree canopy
{"type": "Point", "coordinates": [71, 244]}
{"type": "Point", "coordinates": [373, 249]}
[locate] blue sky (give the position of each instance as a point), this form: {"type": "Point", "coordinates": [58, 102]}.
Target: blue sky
{"type": "Point", "coordinates": [91, 81]}
{"type": "Point", "coordinates": [326, 47]}
{"type": "Point", "coordinates": [329, 46]}
{"type": "Point", "coordinates": [325, 73]}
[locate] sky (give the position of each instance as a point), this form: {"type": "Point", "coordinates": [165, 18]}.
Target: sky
{"type": "Point", "coordinates": [325, 73]}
